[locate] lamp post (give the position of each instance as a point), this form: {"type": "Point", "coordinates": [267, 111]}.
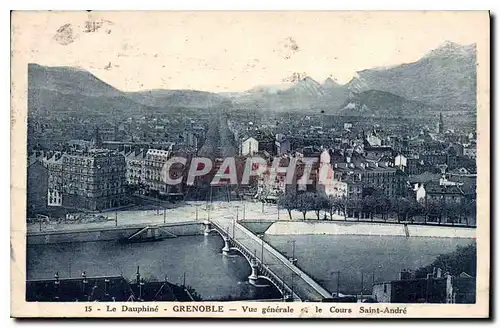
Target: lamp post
{"type": "Point", "coordinates": [338, 283]}
{"type": "Point", "coordinates": [293, 260]}
{"type": "Point", "coordinates": [361, 284]}
{"type": "Point", "coordinates": [262, 250]}
{"type": "Point", "coordinates": [164, 215]}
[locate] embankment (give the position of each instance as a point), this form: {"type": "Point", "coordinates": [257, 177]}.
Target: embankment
{"type": "Point", "coordinates": [108, 233]}
{"type": "Point", "coordinates": [257, 226]}
{"type": "Point", "coordinates": [367, 229]}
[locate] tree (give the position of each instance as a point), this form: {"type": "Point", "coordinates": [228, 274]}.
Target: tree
{"type": "Point", "coordinates": [335, 204]}
{"type": "Point", "coordinates": [369, 205]}
{"type": "Point", "coordinates": [305, 202]}
{"type": "Point", "coordinates": [403, 207]}
{"type": "Point", "coordinates": [320, 202]}
{"type": "Point", "coordinates": [469, 211]}
{"type": "Point", "coordinates": [288, 201]}
{"type": "Point", "coordinates": [355, 205]}
{"type": "Point", "coordinates": [415, 209]}
{"type": "Point", "coordinates": [453, 212]}
{"type": "Point", "coordinates": [384, 206]}
{"type": "Point", "coordinates": [433, 209]}
{"type": "Point", "coordinates": [463, 259]}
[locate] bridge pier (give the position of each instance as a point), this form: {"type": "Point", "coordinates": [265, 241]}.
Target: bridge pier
{"type": "Point", "coordinates": [207, 230]}
{"type": "Point", "coordinates": [252, 279]}
{"type": "Point", "coordinates": [227, 248]}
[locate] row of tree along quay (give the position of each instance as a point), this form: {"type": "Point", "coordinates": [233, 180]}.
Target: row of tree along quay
{"type": "Point", "coordinates": [378, 208]}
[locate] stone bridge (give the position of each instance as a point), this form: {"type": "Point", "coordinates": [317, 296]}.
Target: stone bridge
{"type": "Point", "coordinates": [266, 262]}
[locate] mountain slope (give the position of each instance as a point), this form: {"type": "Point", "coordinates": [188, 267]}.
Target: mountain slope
{"type": "Point", "coordinates": [305, 94]}
{"type": "Point", "coordinates": [72, 90]}
{"type": "Point", "coordinates": [55, 90]}
{"type": "Point", "coordinates": [69, 80]}
{"type": "Point", "coordinates": [378, 103]}
{"type": "Point", "coordinates": [445, 76]}
{"type": "Point", "coordinates": [180, 98]}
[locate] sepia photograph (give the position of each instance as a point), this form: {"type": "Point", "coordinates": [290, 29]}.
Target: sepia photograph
{"type": "Point", "coordinates": [244, 163]}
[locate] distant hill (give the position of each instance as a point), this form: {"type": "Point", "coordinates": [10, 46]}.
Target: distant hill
{"type": "Point", "coordinates": [378, 103]}
{"type": "Point", "coordinates": [445, 76]}
{"type": "Point", "coordinates": [180, 98]}
{"type": "Point", "coordinates": [53, 90]}
{"type": "Point", "coordinates": [69, 89]}
{"type": "Point", "coordinates": [69, 80]}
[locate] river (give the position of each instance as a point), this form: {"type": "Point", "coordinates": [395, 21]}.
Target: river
{"type": "Point", "coordinates": [377, 258]}
{"type": "Point", "coordinates": [198, 260]}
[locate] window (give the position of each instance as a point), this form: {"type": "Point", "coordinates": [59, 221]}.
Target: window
{"type": "Point", "coordinates": [385, 288]}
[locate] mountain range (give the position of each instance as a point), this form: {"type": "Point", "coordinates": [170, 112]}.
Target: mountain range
{"type": "Point", "coordinates": [445, 78]}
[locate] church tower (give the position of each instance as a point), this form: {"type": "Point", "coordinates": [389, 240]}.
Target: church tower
{"type": "Point", "coordinates": [96, 142]}
{"type": "Point", "coordinates": [440, 124]}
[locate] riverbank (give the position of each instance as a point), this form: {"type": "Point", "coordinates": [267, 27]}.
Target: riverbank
{"type": "Point", "coordinates": [367, 229]}
{"type": "Point", "coordinates": [88, 234]}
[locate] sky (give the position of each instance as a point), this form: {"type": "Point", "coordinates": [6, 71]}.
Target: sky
{"type": "Point", "coordinates": [234, 51]}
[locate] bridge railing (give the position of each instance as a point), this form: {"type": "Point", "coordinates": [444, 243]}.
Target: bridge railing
{"type": "Point", "coordinates": [275, 279]}
{"type": "Point", "coordinates": [277, 255]}
{"type": "Point", "coordinates": [295, 281]}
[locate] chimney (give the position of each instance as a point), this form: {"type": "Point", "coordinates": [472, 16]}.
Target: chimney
{"type": "Point", "coordinates": [141, 284]}
{"type": "Point", "coordinates": [84, 282]}
{"type": "Point", "coordinates": [106, 287]}
{"type": "Point", "coordinates": [56, 285]}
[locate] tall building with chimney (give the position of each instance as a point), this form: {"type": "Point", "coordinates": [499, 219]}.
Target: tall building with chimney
{"type": "Point", "coordinates": [440, 124]}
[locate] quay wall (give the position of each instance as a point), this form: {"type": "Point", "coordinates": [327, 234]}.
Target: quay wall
{"type": "Point", "coordinates": [367, 229]}
{"type": "Point", "coordinates": [108, 233]}
{"type": "Point", "coordinates": [257, 226]}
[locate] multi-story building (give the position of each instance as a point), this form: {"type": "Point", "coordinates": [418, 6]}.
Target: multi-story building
{"type": "Point", "coordinates": [53, 163]}
{"type": "Point", "coordinates": [447, 193]}
{"type": "Point", "coordinates": [37, 178]}
{"type": "Point", "coordinates": [92, 180]}
{"type": "Point", "coordinates": [134, 161]}
{"type": "Point", "coordinates": [145, 170]}
{"type": "Point", "coordinates": [362, 176]}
